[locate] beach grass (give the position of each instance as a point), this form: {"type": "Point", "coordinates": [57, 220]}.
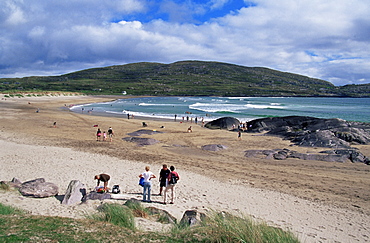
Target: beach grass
{"type": "Point", "coordinates": [116, 214]}
{"type": "Point", "coordinates": [115, 223]}
{"type": "Point", "coordinates": [9, 210]}
{"type": "Point", "coordinates": [221, 227]}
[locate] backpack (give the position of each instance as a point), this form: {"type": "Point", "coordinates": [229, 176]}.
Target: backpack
{"type": "Point", "coordinates": [116, 189]}
{"type": "Point", "coordinates": [141, 181]}
{"type": "Point", "coordinates": [173, 179]}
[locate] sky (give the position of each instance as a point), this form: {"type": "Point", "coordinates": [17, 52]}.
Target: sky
{"type": "Point", "coordinates": [325, 39]}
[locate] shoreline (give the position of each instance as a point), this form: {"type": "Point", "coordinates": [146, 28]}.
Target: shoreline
{"type": "Point", "coordinates": [320, 201]}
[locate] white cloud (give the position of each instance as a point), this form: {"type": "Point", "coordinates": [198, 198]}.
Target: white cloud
{"type": "Point", "coordinates": [322, 39]}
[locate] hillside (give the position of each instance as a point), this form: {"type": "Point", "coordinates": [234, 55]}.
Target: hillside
{"type": "Point", "coordinates": [193, 78]}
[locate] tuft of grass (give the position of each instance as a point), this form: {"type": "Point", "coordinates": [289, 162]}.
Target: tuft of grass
{"type": "Point", "coordinates": [4, 186]}
{"type": "Point", "coordinates": [9, 210]}
{"type": "Point", "coordinates": [220, 227]}
{"type": "Point", "coordinates": [116, 214]}
{"type": "Point", "coordinates": [137, 209]}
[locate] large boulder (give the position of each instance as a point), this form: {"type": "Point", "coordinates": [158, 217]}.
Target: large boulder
{"type": "Point", "coordinates": [314, 132]}
{"type": "Point", "coordinates": [38, 188]}
{"type": "Point", "coordinates": [192, 217]}
{"type": "Point", "coordinates": [75, 192]}
{"type": "Point", "coordinates": [223, 123]}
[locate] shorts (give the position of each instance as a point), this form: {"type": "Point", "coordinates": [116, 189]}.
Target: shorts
{"type": "Point", "coordinates": [163, 183]}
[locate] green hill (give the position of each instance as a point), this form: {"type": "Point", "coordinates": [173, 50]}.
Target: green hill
{"type": "Point", "coordinates": [190, 78]}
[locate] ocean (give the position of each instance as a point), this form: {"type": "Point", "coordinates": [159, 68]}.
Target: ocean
{"type": "Point", "coordinates": [243, 108]}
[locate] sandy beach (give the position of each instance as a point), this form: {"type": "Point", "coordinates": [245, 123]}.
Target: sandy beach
{"type": "Point", "coordinates": [318, 201]}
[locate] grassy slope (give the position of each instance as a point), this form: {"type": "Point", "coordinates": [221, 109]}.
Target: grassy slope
{"type": "Point", "coordinates": [193, 78]}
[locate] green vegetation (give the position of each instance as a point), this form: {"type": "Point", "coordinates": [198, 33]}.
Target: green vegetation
{"type": "Point", "coordinates": [19, 227]}
{"type": "Point", "coordinates": [8, 210]}
{"type": "Point", "coordinates": [221, 227]}
{"type": "Point", "coordinates": [190, 78]}
{"type": "Point", "coordinates": [116, 214]}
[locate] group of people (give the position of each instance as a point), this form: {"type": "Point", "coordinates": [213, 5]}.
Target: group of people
{"type": "Point", "coordinates": [100, 134]}
{"type": "Point", "coordinates": [168, 178]}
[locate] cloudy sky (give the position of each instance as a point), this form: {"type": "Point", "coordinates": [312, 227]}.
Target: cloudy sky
{"type": "Point", "coordinates": [327, 39]}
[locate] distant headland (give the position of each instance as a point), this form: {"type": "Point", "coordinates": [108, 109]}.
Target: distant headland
{"type": "Point", "coordinates": [185, 78]}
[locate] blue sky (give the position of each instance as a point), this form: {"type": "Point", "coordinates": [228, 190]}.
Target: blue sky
{"type": "Point", "coordinates": [321, 39]}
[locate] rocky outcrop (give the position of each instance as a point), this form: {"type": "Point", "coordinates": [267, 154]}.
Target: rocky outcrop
{"type": "Point", "coordinates": [314, 132]}
{"type": "Point", "coordinates": [96, 196]}
{"type": "Point", "coordinates": [192, 217]}
{"type": "Point", "coordinates": [223, 123]}
{"type": "Point", "coordinates": [75, 192]}
{"type": "Point", "coordinates": [141, 141]}
{"type": "Point", "coordinates": [341, 155]}
{"type": "Point", "coordinates": [214, 147]}
{"type": "Point", "coordinates": [38, 188]}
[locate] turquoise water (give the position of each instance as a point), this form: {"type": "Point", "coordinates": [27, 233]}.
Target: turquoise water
{"type": "Point", "coordinates": [243, 108]}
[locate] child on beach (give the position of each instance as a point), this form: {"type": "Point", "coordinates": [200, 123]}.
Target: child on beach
{"type": "Point", "coordinates": [98, 135]}
{"type": "Point", "coordinates": [104, 136]}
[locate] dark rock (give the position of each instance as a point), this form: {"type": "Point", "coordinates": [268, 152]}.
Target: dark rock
{"type": "Point", "coordinates": [96, 196]}
{"type": "Point", "coordinates": [223, 123]}
{"type": "Point", "coordinates": [38, 188]}
{"type": "Point", "coordinates": [281, 155]}
{"type": "Point", "coordinates": [341, 155]}
{"type": "Point", "coordinates": [141, 141]}
{"type": "Point", "coordinates": [352, 154]}
{"type": "Point", "coordinates": [314, 132]}
{"type": "Point", "coordinates": [192, 217]}
{"type": "Point", "coordinates": [320, 157]}
{"type": "Point", "coordinates": [262, 154]}
{"type": "Point", "coordinates": [214, 147]}
{"type": "Point", "coordinates": [143, 131]}
{"type": "Point", "coordinates": [322, 138]}
{"type": "Point", "coordinates": [75, 193]}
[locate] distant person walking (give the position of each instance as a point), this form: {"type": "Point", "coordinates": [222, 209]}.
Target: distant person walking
{"type": "Point", "coordinates": [147, 175]}
{"type": "Point", "coordinates": [240, 134]}
{"type": "Point", "coordinates": [110, 134]}
{"type": "Point", "coordinates": [163, 174]}
{"type": "Point", "coordinates": [172, 179]}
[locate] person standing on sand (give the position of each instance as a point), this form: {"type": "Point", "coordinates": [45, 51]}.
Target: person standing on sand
{"type": "Point", "coordinates": [172, 178]}
{"type": "Point", "coordinates": [147, 175]}
{"type": "Point", "coordinates": [104, 136]}
{"type": "Point", "coordinates": [239, 134]}
{"type": "Point", "coordinates": [110, 134]}
{"type": "Point", "coordinates": [98, 135]}
{"type": "Point", "coordinates": [163, 174]}
{"type": "Point", "coordinates": [104, 178]}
